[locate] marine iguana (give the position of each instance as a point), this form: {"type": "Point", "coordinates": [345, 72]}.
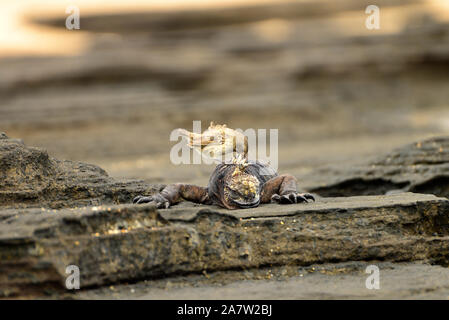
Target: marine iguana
{"type": "Point", "coordinates": [241, 183]}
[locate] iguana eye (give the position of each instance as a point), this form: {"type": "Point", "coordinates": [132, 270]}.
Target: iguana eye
{"type": "Point", "coordinates": [235, 193]}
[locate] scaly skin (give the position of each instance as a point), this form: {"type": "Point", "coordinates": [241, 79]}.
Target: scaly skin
{"type": "Point", "coordinates": [234, 186]}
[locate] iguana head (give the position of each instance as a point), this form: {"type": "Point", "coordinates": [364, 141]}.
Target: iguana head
{"type": "Point", "coordinates": [241, 190]}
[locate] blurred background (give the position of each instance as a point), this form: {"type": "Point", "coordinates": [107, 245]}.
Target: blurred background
{"type": "Point", "coordinates": [112, 92]}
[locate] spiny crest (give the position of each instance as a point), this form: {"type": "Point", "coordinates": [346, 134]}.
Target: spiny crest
{"type": "Point", "coordinates": [241, 162]}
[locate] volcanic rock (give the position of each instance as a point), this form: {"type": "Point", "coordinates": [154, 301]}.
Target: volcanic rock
{"type": "Point", "coordinates": [421, 167]}
{"type": "Point", "coordinates": [134, 242]}
{"type": "Point", "coordinates": [29, 177]}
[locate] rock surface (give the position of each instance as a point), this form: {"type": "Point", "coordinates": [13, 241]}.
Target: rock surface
{"type": "Point", "coordinates": [340, 91]}
{"type": "Point", "coordinates": [130, 243]}
{"type": "Point", "coordinates": [421, 167]}
{"type": "Point", "coordinates": [29, 177]}
{"type": "Point", "coordinates": [345, 280]}
{"type": "Point", "coordinates": [43, 230]}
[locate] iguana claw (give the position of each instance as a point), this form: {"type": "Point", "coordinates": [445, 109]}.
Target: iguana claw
{"type": "Point", "coordinates": [292, 198]}
{"type": "Point", "coordinates": [159, 201]}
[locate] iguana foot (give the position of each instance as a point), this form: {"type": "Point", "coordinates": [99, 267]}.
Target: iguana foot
{"type": "Point", "coordinates": [159, 201]}
{"type": "Point", "coordinates": [292, 198]}
{"type": "Point", "coordinates": [141, 199]}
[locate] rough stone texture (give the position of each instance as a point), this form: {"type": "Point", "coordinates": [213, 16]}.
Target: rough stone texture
{"type": "Point", "coordinates": [339, 92]}
{"type": "Point", "coordinates": [130, 243]}
{"type": "Point", "coordinates": [421, 167]}
{"type": "Point", "coordinates": [29, 177]}
{"type": "Point", "coordinates": [345, 280]}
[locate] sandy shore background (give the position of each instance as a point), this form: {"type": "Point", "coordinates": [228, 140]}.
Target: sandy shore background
{"type": "Point", "coordinates": [111, 92]}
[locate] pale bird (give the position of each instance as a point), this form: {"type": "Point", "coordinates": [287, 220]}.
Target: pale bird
{"type": "Point", "coordinates": [218, 142]}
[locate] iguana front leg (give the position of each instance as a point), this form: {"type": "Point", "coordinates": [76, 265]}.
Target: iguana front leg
{"type": "Point", "coordinates": [282, 189]}
{"type": "Point", "coordinates": [173, 193]}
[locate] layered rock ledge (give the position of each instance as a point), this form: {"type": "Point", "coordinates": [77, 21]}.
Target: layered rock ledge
{"type": "Point", "coordinates": [134, 242]}
{"type": "Point", "coordinates": [55, 213]}
{"type": "Point", "coordinates": [421, 167]}
{"type": "Point", "coordinates": [29, 177]}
